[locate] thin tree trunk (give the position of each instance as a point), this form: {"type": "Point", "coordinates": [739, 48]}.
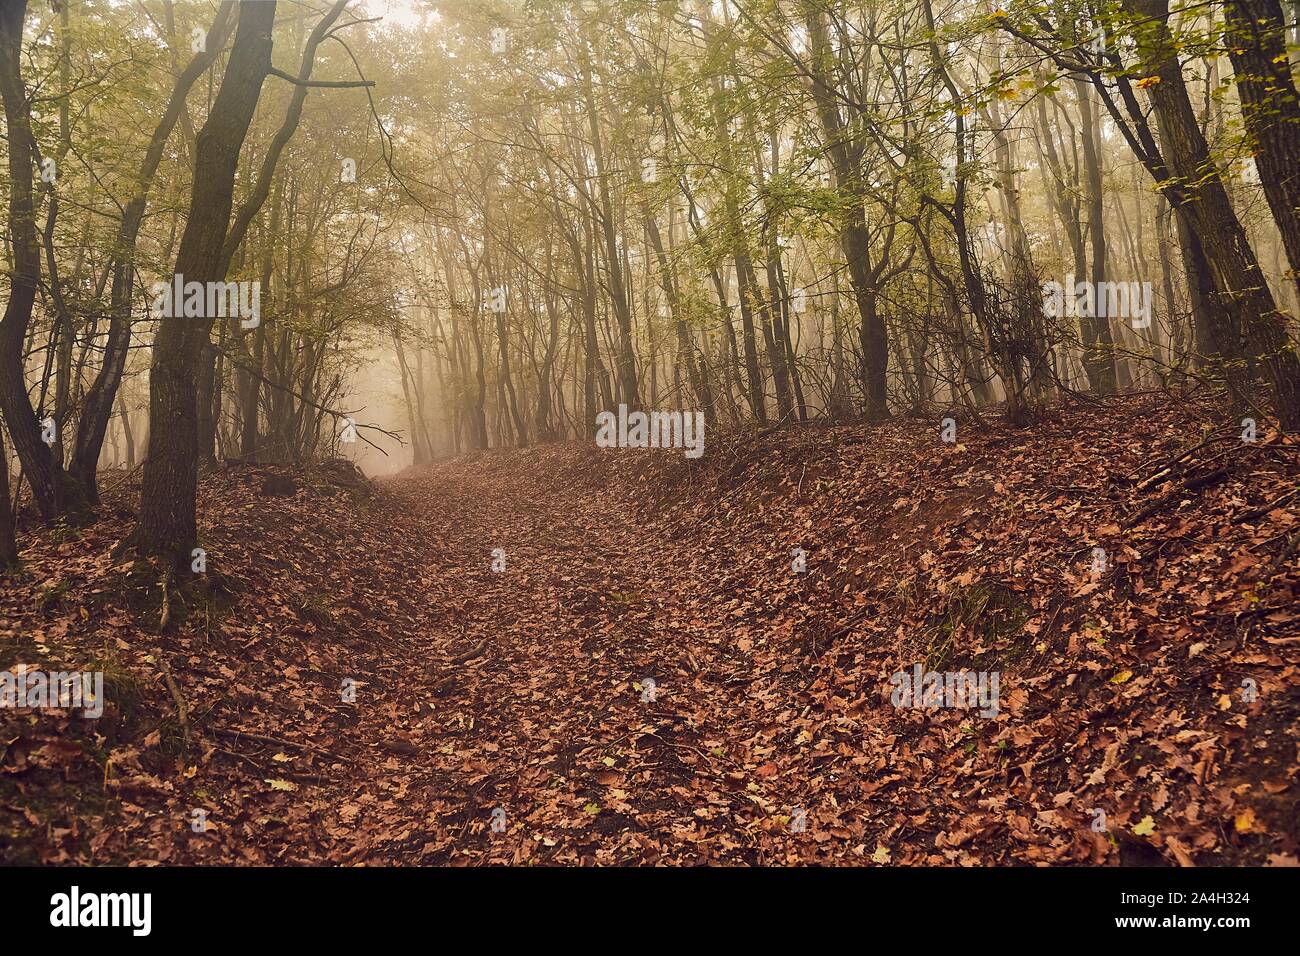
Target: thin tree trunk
{"type": "Point", "coordinates": [53, 490]}
{"type": "Point", "coordinates": [97, 405]}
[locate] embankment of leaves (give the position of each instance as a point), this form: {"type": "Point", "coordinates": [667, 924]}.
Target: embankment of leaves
{"type": "Point", "coordinates": [1149, 711]}
{"type": "Point", "coordinates": [289, 600]}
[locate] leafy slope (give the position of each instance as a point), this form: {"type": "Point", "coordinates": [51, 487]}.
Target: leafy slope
{"type": "Point", "coordinates": [523, 691]}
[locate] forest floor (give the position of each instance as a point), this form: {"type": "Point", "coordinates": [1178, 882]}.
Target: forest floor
{"type": "Point", "coordinates": [1148, 708]}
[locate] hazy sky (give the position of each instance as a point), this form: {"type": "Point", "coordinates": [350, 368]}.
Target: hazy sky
{"type": "Point", "coordinates": [403, 13]}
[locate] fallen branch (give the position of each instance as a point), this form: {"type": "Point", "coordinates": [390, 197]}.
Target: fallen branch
{"type": "Point", "coordinates": [1195, 483]}
{"type": "Point", "coordinates": [474, 652]}
{"type": "Point", "coordinates": [275, 742]}
{"type": "Point", "coordinates": [182, 711]}
{"type": "Point", "coordinates": [1265, 509]}
{"type": "Point", "coordinates": [1170, 467]}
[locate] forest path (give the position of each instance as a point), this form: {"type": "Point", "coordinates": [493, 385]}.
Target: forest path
{"type": "Point", "coordinates": [549, 726]}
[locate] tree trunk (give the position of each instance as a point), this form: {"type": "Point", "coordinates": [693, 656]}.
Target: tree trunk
{"type": "Point", "coordinates": [53, 490]}
{"type": "Point", "coordinates": [97, 405]}
{"type": "Point", "coordinates": [1098, 345]}
{"type": "Point", "coordinates": [167, 525]}
{"type": "Point", "coordinates": [1200, 197]}
{"type": "Point", "coordinates": [626, 359]}
{"type": "Point", "coordinates": [1256, 41]}
{"type": "Point", "coordinates": [8, 546]}
{"type": "Point", "coordinates": [855, 240]}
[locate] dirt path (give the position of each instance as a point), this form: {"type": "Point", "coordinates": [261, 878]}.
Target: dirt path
{"type": "Point", "coordinates": [552, 725]}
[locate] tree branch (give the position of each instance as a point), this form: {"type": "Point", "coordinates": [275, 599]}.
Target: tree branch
{"type": "Point", "coordinates": [326, 84]}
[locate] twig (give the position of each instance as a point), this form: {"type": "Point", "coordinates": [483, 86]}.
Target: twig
{"type": "Point", "coordinates": [1265, 509]}
{"type": "Point", "coordinates": [166, 616]}
{"type": "Point", "coordinates": [275, 741]}
{"type": "Point", "coordinates": [182, 711]}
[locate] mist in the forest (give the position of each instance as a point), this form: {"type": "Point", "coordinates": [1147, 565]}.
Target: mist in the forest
{"type": "Point", "coordinates": [376, 397]}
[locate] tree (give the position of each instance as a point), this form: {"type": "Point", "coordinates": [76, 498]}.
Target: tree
{"type": "Point", "coordinates": [53, 490]}
{"type": "Point", "coordinates": [167, 524]}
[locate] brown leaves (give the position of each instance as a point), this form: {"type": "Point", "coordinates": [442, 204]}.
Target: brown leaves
{"type": "Point", "coordinates": [528, 691]}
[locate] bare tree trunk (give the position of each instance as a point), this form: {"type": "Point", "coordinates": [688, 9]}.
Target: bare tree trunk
{"type": "Point", "coordinates": [419, 451]}
{"type": "Point", "coordinates": [626, 360]}
{"type": "Point", "coordinates": [128, 436]}
{"type": "Point", "coordinates": [685, 340]}
{"type": "Point", "coordinates": [8, 545]}
{"type": "Point", "coordinates": [248, 375]}
{"type": "Point", "coordinates": [854, 237]}
{"type": "Point", "coordinates": [1099, 347]}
